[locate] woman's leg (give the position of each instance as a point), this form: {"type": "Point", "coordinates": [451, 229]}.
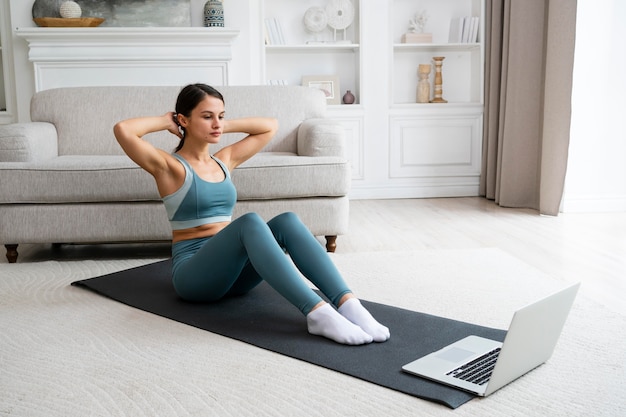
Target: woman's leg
{"type": "Point", "coordinates": [315, 264]}
{"type": "Point", "coordinates": [233, 260]}
{"type": "Point", "coordinates": [308, 255]}
{"type": "Point", "coordinates": [245, 246]}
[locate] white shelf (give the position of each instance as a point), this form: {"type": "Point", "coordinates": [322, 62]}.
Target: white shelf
{"type": "Point", "coordinates": [448, 47]}
{"type": "Point", "coordinates": [71, 57]}
{"type": "Point", "coordinates": [132, 36]}
{"type": "Point", "coordinates": [470, 106]}
{"type": "Point", "coordinates": [321, 48]}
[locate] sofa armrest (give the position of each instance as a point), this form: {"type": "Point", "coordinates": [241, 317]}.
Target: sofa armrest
{"type": "Point", "coordinates": [28, 142]}
{"type": "Point", "coordinates": [321, 137]}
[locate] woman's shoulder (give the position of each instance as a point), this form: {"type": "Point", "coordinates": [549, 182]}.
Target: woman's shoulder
{"type": "Point", "coordinates": [222, 157]}
{"type": "Point", "coordinates": [172, 175]}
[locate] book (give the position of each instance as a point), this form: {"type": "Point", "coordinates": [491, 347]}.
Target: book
{"type": "Point", "coordinates": [271, 37]}
{"type": "Point", "coordinates": [463, 29]}
{"type": "Point", "coordinates": [274, 33]}
{"type": "Point", "coordinates": [467, 28]}
{"type": "Point", "coordinates": [473, 38]}
{"type": "Point", "coordinates": [456, 30]}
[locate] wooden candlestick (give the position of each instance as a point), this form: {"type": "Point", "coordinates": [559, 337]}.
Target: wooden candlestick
{"type": "Point", "coordinates": [438, 80]}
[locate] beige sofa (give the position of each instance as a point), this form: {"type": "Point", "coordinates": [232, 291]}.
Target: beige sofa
{"type": "Point", "coordinates": [65, 179]}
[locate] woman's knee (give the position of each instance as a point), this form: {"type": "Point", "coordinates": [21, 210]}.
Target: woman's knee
{"type": "Point", "coordinates": [251, 220]}
{"type": "Point", "coordinates": [288, 219]}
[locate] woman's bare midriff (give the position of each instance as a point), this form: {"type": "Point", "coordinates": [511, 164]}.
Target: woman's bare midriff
{"type": "Point", "coordinates": [206, 230]}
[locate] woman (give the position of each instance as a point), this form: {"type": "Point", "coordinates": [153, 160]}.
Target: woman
{"type": "Point", "coordinates": [214, 257]}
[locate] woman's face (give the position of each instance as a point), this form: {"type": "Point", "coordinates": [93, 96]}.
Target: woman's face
{"type": "Point", "coordinates": [206, 122]}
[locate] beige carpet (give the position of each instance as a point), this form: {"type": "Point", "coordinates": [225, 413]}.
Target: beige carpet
{"type": "Point", "coordinates": [65, 351]}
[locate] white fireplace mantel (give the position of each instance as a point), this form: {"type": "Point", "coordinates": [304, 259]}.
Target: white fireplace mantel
{"type": "Point", "coordinates": [73, 57]}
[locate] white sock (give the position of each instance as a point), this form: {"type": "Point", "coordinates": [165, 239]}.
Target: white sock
{"type": "Point", "coordinates": [326, 321]}
{"type": "Point", "coordinates": [353, 310]}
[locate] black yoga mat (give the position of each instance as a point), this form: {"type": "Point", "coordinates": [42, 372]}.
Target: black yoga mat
{"type": "Point", "coordinates": [264, 319]}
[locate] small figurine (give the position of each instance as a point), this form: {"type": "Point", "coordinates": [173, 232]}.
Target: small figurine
{"type": "Point", "coordinates": [419, 22]}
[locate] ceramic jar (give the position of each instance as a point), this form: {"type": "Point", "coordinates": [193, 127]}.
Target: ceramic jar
{"type": "Point", "coordinates": [348, 98]}
{"type": "Point", "coordinates": [213, 14]}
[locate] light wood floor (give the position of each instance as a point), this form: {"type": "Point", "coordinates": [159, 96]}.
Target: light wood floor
{"type": "Point", "coordinates": [590, 248]}
{"type": "Point", "coordinates": [570, 247]}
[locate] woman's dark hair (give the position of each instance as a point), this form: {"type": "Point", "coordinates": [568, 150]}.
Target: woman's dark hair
{"type": "Point", "coordinates": [188, 98]}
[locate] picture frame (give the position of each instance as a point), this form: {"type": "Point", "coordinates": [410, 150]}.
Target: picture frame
{"type": "Point", "coordinates": [329, 84]}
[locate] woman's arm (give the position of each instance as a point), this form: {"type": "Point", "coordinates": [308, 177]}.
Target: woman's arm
{"type": "Point", "coordinates": [260, 131]}
{"type": "Point", "coordinates": [129, 133]}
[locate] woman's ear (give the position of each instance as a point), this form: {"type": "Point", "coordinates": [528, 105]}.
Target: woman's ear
{"type": "Point", "coordinates": [181, 120]}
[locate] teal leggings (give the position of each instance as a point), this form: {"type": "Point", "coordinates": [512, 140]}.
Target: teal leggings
{"type": "Point", "coordinates": [247, 251]}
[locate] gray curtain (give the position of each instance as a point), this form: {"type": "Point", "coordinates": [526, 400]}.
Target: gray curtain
{"type": "Point", "coordinates": [529, 56]}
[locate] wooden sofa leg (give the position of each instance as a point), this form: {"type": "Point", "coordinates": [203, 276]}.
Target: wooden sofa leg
{"type": "Point", "coordinates": [331, 243]}
{"type": "Point", "coordinates": [11, 253]}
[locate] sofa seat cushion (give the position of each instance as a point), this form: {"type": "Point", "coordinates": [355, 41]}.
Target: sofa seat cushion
{"type": "Point", "coordinates": [115, 178]}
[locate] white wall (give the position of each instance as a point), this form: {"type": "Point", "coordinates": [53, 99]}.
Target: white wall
{"type": "Point", "coordinates": [596, 172]}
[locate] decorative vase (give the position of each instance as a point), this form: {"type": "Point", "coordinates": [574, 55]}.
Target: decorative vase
{"type": "Point", "coordinates": [214, 14]}
{"type": "Point", "coordinates": [70, 10]}
{"type": "Point", "coordinates": [423, 84]}
{"type": "Point", "coordinates": [348, 98]}
{"type": "Point", "coordinates": [47, 8]}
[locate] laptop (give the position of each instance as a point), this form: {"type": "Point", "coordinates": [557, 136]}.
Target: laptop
{"type": "Point", "coordinates": [482, 366]}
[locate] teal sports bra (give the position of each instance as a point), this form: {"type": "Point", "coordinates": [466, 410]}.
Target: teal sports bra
{"type": "Point", "coordinates": [198, 202]}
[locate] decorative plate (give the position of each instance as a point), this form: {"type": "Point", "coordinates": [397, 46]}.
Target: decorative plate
{"type": "Point", "coordinates": [340, 14]}
{"type": "Point", "coordinates": [315, 19]}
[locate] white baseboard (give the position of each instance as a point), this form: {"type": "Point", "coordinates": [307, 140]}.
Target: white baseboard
{"type": "Point", "coordinates": [593, 204]}
{"type": "Point", "coordinates": [374, 192]}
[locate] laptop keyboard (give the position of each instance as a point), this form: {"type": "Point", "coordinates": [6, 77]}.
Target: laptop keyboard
{"type": "Point", "coordinates": [479, 370]}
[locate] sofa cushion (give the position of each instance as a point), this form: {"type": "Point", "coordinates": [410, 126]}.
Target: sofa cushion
{"type": "Point", "coordinates": [300, 176]}
{"type": "Point", "coordinates": [26, 142]}
{"type": "Point", "coordinates": [76, 179]}
{"type": "Point", "coordinates": [115, 178]}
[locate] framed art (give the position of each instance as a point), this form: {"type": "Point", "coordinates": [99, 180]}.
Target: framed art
{"type": "Point", "coordinates": [329, 84]}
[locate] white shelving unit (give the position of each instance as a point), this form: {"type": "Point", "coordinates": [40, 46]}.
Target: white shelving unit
{"type": "Point", "coordinates": [435, 148]}
{"type": "Point", "coordinates": [398, 147]}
